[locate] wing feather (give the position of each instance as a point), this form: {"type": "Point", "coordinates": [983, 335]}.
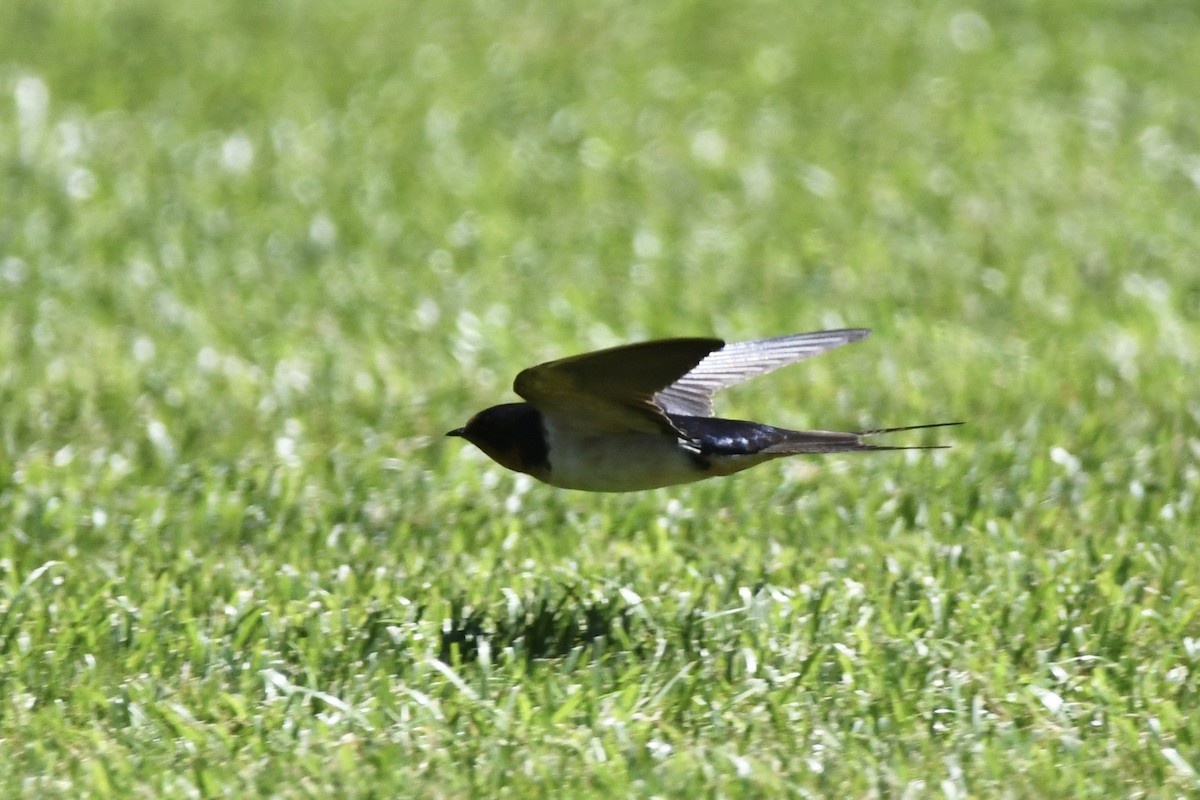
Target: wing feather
{"type": "Point", "coordinates": [636, 387]}
{"type": "Point", "coordinates": [691, 394]}
{"type": "Point", "coordinates": [614, 389]}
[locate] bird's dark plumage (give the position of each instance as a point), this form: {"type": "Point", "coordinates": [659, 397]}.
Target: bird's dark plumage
{"type": "Point", "coordinates": [510, 432]}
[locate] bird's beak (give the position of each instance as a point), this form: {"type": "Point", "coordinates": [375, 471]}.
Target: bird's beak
{"type": "Point", "coordinates": [457, 432]}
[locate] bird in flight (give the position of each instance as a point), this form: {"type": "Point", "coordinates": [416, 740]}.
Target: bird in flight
{"type": "Point", "coordinates": [640, 416]}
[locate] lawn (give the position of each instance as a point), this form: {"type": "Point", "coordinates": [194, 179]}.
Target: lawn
{"type": "Point", "coordinates": [255, 258]}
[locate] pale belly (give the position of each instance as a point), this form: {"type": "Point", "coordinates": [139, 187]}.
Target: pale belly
{"type": "Point", "coordinates": [629, 462]}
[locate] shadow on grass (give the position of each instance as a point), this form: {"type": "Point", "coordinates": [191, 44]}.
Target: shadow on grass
{"type": "Point", "coordinates": [536, 628]}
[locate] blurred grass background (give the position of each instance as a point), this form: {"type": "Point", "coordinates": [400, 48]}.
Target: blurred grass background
{"type": "Point", "coordinates": [256, 257]}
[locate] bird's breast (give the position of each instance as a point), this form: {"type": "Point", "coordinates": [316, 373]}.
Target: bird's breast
{"type": "Point", "coordinates": [618, 462]}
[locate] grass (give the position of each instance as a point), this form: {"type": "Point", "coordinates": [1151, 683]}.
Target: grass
{"type": "Point", "coordinates": [256, 258]}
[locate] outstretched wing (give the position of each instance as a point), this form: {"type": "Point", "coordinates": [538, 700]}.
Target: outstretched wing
{"type": "Point", "coordinates": [614, 390]}
{"type": "Point", "coordinates": [691, 395]}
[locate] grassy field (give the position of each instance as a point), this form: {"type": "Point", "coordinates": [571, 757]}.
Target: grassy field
{"type": "Point", "coordinates": [255, 258]}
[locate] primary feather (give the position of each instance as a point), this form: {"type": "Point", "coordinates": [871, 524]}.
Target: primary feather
{"type": "Point", "coordinates": [691, 395]}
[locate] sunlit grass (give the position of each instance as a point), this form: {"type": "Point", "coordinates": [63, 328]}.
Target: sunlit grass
{"type": "Point", "coordinates": [255, 260]}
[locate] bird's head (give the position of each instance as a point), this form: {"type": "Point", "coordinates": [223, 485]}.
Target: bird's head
{"type": "Point", "coordinates": [511, 435]}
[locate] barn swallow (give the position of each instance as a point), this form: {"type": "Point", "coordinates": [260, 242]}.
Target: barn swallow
{"type": "Point", "coordinates": [640, 416]}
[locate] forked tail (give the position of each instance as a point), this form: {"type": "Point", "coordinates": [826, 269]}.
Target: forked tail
{"type": "Point", "coordinates": [838, 442]}
{"type": "Point", "coordinates": [878, 431]}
